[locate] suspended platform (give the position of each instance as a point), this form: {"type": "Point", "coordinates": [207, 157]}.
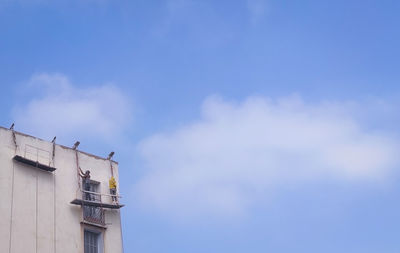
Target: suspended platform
{"type": "Point", "coordinates": [34, 163]}
{"type": "Point", "coordinates": [81, 202]}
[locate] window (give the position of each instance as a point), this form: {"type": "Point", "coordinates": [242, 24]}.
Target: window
{"type": "Point", "coordinates": [93, 242]}
{"type": "Point", "coordinates": [93, 186]}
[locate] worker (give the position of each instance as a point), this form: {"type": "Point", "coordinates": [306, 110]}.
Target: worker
{"type": "Point", "coordinates": [86, 182]}
{"type": "Point", "coordinates": [113, 189]}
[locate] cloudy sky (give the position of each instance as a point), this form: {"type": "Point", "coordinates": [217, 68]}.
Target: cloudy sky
{"type": "Point", "coordinates": [240, 126]}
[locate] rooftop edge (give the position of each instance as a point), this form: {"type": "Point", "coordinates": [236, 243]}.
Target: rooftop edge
{"type": "Point", "coordinates": [62, 146]}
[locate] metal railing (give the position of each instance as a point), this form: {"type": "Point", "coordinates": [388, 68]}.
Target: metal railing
{"type": "Point", "coordinates": [37, 154]}
{"type": "Point", "coordinates": [97, 197]}
{"type": "Point", "coordinates": [94, 214]}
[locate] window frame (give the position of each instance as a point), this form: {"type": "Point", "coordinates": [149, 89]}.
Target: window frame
{"type": "Point", "coordinates": [99, 236]}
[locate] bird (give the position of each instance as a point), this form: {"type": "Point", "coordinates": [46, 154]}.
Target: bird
{"type": "Point", "coordinates": [12, 126]}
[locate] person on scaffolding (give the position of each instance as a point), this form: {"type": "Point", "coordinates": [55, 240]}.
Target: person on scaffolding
{"type": "Point", "coordinates": [86, 182]}
{"type": "Point", "coordinates": [113, 189]}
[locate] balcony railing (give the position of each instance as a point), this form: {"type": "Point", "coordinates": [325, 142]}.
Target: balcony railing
{"type": "Point", "coordinates": [94, 215]}
{"type": "Point", "coordinates": [100, 197]}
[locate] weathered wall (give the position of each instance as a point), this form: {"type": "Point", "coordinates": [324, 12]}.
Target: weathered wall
{"type": "Point", "coordinates": [35, 205]}
{"type": "Point", "coordinates": [6, 174]}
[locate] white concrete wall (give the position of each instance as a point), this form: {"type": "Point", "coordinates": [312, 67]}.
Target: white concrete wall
{"type": "Point", "coordinates": [35, 205]}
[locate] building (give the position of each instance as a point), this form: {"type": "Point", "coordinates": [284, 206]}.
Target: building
{"type": "Point", "coordinates": [46, 207]}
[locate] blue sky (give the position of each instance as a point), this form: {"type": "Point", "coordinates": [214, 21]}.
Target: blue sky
{"type": "Point", "coordinates": [240, 126]}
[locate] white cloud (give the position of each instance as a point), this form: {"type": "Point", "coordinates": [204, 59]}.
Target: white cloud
{"type": "Point", "coordinates": [63, 109]}
{"type": "Point", "coordinates": [238, 153]}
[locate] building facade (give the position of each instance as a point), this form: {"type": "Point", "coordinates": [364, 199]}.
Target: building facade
{"type": "Point", "coordinates": [46, 206]}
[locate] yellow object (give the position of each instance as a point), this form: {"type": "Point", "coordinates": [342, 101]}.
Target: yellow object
{"type": "Point", "coordinates": [112, 183]}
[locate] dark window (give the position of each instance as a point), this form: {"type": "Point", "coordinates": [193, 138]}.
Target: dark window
{"type": "Point", "coordinates": [91, 186]}
{"type": "Point", "coordinates": [92, 241]}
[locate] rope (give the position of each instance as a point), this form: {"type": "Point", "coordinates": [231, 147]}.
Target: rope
{"type": "Point", "coordinates": [12, 204]}
{"type": "Point", "coordinates": [77, 172]}
{"type": "Point", "coordinates": [37, 208]}
{"type": "Point", "coordinates": [120, 228]}
{"type": "Point", "coordinates": [15, 141]}
{"type": "Point", "coordinates": [12, 191]}
{"type": "Point", "coordinates": [119, 212]}
{"type": "Point", "coordinates": [55, 212]}
{"type": "Point", "coordinates": [111, 168]}
{"type": "Point", "coordinates": [54, 153]}
{"type": "Point", "coordinates": [54, 203]}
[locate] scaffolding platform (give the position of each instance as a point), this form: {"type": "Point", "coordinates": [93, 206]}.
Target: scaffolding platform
{"type": "Point", "coordinates": [34, 163]}
{"type": "Point", "coordinates": [81, 202]}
